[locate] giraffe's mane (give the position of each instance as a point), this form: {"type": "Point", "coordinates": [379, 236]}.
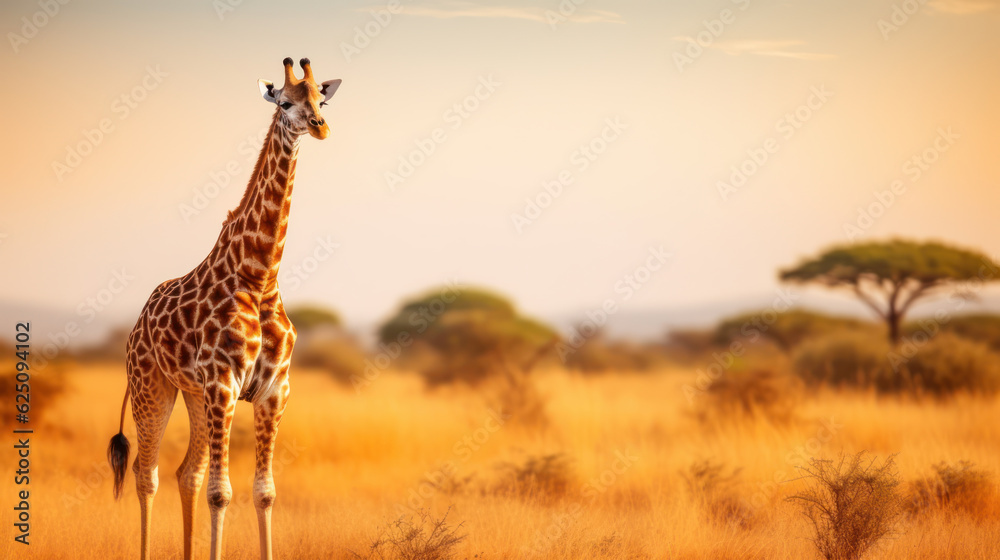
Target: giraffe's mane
{"type": "Point", "coordinates": [232, 214]}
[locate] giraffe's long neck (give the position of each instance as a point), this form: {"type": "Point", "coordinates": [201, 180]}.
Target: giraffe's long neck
{"type": "Point", "coordinates": [253, 237]}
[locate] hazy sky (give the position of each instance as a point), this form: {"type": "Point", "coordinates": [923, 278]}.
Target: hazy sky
{"type": "Point", "coordinates": [836, 101]}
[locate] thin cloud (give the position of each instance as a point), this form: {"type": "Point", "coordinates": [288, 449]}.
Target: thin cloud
{"type": "Point", "coordinates": [452, 10]}
{"type": "Point", "coordinates": [778, 48]}
{"type": "Point", "coordinates": [963, 7]}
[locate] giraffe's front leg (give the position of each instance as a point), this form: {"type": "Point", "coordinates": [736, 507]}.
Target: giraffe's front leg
{"type": "Point", "coordinates": [191, 473]}
{"type": "Point", "coordinates": [267, 415]}
{"type": "Point", "coordinates": [220, 406]}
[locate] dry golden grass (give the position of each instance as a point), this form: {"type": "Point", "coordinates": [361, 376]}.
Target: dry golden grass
{"type": "Point", "coordinates": [350, 465]}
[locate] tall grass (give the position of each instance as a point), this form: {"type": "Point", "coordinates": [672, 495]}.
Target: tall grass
{"type": "Point", "coordinates": [348, 465]}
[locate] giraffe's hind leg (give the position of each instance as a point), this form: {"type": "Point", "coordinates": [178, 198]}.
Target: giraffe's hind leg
{"type": "Point", "coordinates": [153, 399]}
{"type": "Point", "coordinates": [191, 473]}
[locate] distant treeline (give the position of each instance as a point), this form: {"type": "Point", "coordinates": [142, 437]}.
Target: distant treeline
{"type": "Point", "coordinates": [456, 334]}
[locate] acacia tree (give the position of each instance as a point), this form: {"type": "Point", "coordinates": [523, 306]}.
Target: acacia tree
{"type": "Point", "coordinates": [889, 277]}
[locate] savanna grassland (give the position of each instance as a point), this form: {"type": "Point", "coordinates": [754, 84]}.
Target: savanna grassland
{"type": "Point", "coordinates": [611, 466]}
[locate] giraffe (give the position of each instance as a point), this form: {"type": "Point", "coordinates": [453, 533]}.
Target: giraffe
{"type": "Point", "coordinates": [220, 334]}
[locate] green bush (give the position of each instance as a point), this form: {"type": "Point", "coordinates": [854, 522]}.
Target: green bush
{"type": "Point", "coordinates": [787, 329]}
{"type": "Point", "coordinates": [845, 359]}
{"type": "Point", "coordinates": [689, 346]}
{"type": "Point", "coordinates": [337, 353]}
{"type": "Point", "coordinates": [472, 334]}
{"type": "Point", "coordinates": [598, 355]}
{"type": "Point", "coordinates": [308, 317]}
{"type": "Point", "coordinates": [981, 328]}
{"type": "Point", "coordinates": [948, 363]}
{"type": "Point", "coordinates": [940, 365]}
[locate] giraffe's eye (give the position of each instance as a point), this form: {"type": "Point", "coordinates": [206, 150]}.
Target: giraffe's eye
{"type": "Point", "coordinates": [286, 105]}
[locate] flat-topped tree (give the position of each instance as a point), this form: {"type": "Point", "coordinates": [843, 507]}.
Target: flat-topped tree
{"type": "Point", "coordinates": [890, 276]}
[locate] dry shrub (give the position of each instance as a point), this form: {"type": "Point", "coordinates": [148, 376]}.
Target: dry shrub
{"type": "Point", "coordinates": [545, 478]}
{"type": "Point", "coordinates": [852, 504]}
{"type": "Point", "coordinates": [704, 478]}
{"type": "Point", "coordinates": [450, 482]}
{"type": "Point", "coordinates": [517, 398]}
{"type": "Point", "coordinates": [716, 492]}
{"type": "Point", "coordinates": [960, 488]}
{"type": "Point", "coordinates": [760, 393]}
{"type": "Point", "coordinates": [45, 388]}
{"type": "Point", "coordinates": [609, 546]}
{"type": "Point", "coordinates": [423, 538]}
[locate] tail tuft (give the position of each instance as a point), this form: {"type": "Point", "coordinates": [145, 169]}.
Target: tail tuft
{"type": "Point", "coordinates": [118, 457]}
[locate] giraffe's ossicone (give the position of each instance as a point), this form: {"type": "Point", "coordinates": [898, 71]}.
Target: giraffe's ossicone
{"type": "Point", "coordinates": [220, 334]}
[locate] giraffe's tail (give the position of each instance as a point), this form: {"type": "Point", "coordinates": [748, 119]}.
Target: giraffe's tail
{"type": "Point", "coordinates": [118, 452]}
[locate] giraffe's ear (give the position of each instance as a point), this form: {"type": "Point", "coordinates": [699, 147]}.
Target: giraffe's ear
{"type": "Point", "coordinates": [328, 88]}
{"type": "Point", "coordinates": [268, 91]}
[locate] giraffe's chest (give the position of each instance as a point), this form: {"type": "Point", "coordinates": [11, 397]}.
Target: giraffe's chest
{"type": "Point", "coordinates": [205, 341]}
{"type": "Point", "coordinates": [239, 341]}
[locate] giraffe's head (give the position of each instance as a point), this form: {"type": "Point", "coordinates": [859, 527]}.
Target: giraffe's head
{"type": "Point", "coordinates": [300, 100]}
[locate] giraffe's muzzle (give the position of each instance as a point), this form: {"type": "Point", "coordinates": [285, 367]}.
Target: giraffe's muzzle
{"type": "Point", "coordinates": [318, 128]}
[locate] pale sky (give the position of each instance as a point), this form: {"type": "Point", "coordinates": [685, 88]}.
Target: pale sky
{"type": "Point", "coordinates": [927, 87]}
